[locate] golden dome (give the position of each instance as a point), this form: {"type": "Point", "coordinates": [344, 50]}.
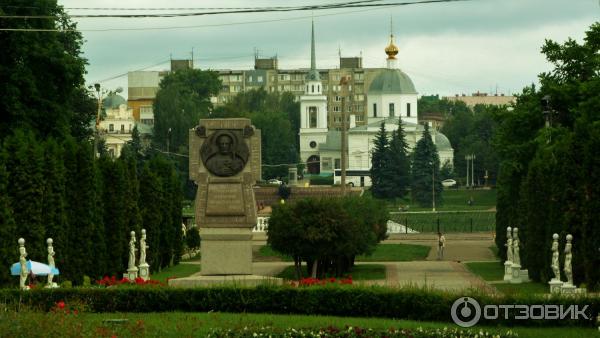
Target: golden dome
{"type": "Point", "coordinates": [391, 50]}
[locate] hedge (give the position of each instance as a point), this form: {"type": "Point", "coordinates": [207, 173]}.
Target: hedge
{"type": "Point", "coordinates": [353, 301]}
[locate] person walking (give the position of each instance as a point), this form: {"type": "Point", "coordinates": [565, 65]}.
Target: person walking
{"type": "Point", "coordinates": [441, 246]}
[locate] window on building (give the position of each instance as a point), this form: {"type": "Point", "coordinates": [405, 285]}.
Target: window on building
{"type": "Point", "coordinates": [338, 163]}
{"type": "Point", "coordinates": [312, 117]}
{"type": "Point", "coordinates": [359, 76]}
{"type": "Point", "coordinates": [337, 109]}
{"type": "Point", "coordinates": [147, 121]}
{"type": "Point", "coordinates": [130, 127]}
{"type": "Point", "coordinates": [337, 98]}
{"type": "Point", "coordinates": [336, 77]}
{"type": "Point", "coordinates": [324, 88]}
{"type": "Point", "coordinates": [312, 89]}
{"type": "Point", "coordinates": [318, 88]}
{"type": "Point", "coordinates": [259, 78]}
{"type": "Point", "coordinates": [111, 152]}
{"type": "Point", "coordinates": [359, 97]}
{"type": "Point", "coordinates": [250, 78]}
{"type": "Point", "coordinates": [122, 129]}
{"type": "Point", "coordinates": [326, 163]}
{"type": "Point", "coordinates": [111, 127]}
{"type": "Point", "coordinates": [374, 109]}
{"type": "Point", "coordinates": [408, 109]}
{"type": "Point", "coordinates": [359, 118]}
{"type": "Point", "coordinates": [392, 112]}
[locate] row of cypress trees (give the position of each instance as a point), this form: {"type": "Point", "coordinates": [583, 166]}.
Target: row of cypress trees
{"type": "Point", "coordinates": [88, 206]}
{"type": "Point", "coordinates": [549, 173]}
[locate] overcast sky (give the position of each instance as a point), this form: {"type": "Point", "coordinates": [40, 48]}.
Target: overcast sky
{"type": "Point", "coordinates": [446, 48]}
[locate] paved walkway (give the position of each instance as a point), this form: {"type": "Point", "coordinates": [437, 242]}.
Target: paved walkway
{"type": "Point", "coordinates": [448, 274]}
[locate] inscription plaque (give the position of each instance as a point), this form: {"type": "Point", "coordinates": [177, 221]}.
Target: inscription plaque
{"type": "Point", "coordinates": [225, 199]}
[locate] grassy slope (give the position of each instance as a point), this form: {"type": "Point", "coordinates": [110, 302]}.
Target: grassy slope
{"type": "Point", "coordinates": [177, 324]}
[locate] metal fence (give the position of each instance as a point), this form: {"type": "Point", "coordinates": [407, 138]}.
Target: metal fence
{"type": "Point", "coordinates": [446, 221]}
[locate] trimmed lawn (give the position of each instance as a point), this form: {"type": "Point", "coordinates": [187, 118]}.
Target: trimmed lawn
{"type": "Point", "coordinates": [382, 253]}
{"type": "Point", "coordinates": [359, 272]}
{"type": "Point", "coordinates": [493, 271]}
{"type": "Point", "coordinates": [522, 289]}
{"type": "Point", "coordinates": [454, 199]}
{"type": "Point", "coordinates": [489, 271]}
{"type": "Point", "coordinates": [177, 271]}
{"type": "Point", "coordinates": [178, 324]}
{"type": "Point", "coordinates": [396, 253]}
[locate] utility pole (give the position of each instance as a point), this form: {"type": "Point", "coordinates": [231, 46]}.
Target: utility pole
{"type": "Point", "coordinates": [472, 171]}
{"type": "Point", "coordinates": [467, 159]}
{"type": "Point", "coordinates": [344, 84]}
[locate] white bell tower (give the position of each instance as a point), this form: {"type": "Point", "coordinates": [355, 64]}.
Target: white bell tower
{"type": "Point", "coordinates": [313, 109]}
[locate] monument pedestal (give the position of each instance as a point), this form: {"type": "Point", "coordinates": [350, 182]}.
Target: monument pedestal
{"type": "Point", "coordinates": [568, 288]}
{"type": "Point", "coordinates": [516, 274]}
{"type": "Point", "coordinates": [144, 271]}
{"type": "Point", "coordinates": [507, 271]}
{"type": "Point", "coordinates": [236, 280]}
{"type": "Point", "coordinates": [525, 275]}
{"type": "Point", "coordinates": [226, 251]}
{"type": "Point", "coordinates": [131, 274]}
{"type": "Point", "coordinates": [555, 285]}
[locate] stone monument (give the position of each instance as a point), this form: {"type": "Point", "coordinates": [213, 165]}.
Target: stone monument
{"type": "Point", "coordinates": [51, 264]}
{"type": "Point", "coordinates": [555, 283]}
{"type": "Point", "coordinates": [225, 164]}
{"type": "Point", "coordinates": [509, 255]}
{"type": "Point", "coordinates": [225, 159]}
{"type": "Point", "coordinates": [144, 266]}
{"type": "Point", "coordinates": [23, 263]}
{"type": "Point", "coordinates": [132, 270]}
{"type": "Point", "coordinates": [568, 286]}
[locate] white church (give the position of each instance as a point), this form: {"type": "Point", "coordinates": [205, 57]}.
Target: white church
{"type": "Point", "coordinates": [391, 95]}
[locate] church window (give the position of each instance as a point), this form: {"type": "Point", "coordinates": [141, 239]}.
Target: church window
{"type": "Point", "coordinates": [408, 109]}
{"type": "Point", "coordinates": [318, 88]}
{"type": "Point", "coordinates": [312, 89]}
{"type": "Point", "coordinates": [374, 109]}
{"type": "Point", "coordinates": [307, 88]}
{"type": "Point", "coordinates": [313, 144]}
{"type": "Point", "coordinates": [392, 113]}
{"type": "Point", "coordinates": [312, 117]}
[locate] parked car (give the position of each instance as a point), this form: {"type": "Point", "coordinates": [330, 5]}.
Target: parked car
{"type": "Point", "coordinates": [274, 181]}
{"type": "Point", "coordinates": [449, 183]}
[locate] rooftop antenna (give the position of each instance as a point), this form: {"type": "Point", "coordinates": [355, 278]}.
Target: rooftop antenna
{"type": "Point", "coordinates": [339, 51]}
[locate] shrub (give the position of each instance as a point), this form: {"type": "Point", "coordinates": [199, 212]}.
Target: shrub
{"type": "Point", "coordinates": [399, 303]}
{"type": "Point", "coordinates": [321, 180]}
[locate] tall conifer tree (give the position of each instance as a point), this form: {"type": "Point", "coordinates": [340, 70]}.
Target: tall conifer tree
{"type": "Point", "coordinates": [53, 201]}
{"type": "Point", "coordinates": [426, 172]}
{"type": "Point", "coordinates": [399, 162]}
{"type": "Point", "coordinates": [8, 232]}
{"type": "Point", "coordinates": [380, 187]}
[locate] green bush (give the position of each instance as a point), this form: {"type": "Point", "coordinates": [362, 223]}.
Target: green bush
{"type": "Point", "coordinates": [321, 180]}
{"type": "Point", "coordinates": [399, 303]}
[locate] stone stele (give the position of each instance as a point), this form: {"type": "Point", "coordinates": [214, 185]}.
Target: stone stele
{"type": "Point", "coordinates": [225, 164]}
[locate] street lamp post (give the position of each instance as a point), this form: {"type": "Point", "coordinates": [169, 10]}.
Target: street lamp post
{"type": "Point", "coordinates": [100, 94]}
{"type": "Point", "coordinates": [467, 157]}
{"type": "Point", "coordinates": [433, 185]}
{"type": "Point", "coordinates": [548, 112]}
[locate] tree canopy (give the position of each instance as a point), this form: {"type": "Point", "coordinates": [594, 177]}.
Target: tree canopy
{"type": "Point", "coordinates": [426, 172]}
{"type": "Point", "coordinates": [42, 73]}
{"type": "Point", "coordinates": [548, 178]}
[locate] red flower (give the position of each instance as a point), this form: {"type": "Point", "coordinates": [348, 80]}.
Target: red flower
{"type": "Point", "coordinates": [60, 305]}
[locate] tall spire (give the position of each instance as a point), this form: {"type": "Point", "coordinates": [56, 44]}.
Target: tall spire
{"type": "Point", "coordinates": [313, 74]}
{"type": "Point", "coordinates": [313, 62]}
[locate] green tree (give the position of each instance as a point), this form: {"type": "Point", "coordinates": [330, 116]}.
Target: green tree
{"type": "Point", "coordinates": [192, 238]}
{"type": "Point", "coordinates": [53, 201]}
{"type": "Point", "coordinates": [399, 162]}
{"type": "Point", "coordinates": [380, 184]}
{"type": "Point", "coordinates": [8, 230]}
{"type": "Point", "coordinates": [115, 209]}
{"type": "Point", "coordinates": [182, 100]}
{"type": "Point", "coordinates": [426, 172]}
{"type": "Point", "coordinates": [41, 71]}
{"type": "Point", "coordinates": [551, 172]}
{"type": "Point", "coordinates": [25, 189]}
{"type": "Point", "coordinates": [151, 203]}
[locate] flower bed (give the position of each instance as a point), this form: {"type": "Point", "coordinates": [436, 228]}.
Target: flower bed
{"type": "Point", "coordinates": [352, 332]}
